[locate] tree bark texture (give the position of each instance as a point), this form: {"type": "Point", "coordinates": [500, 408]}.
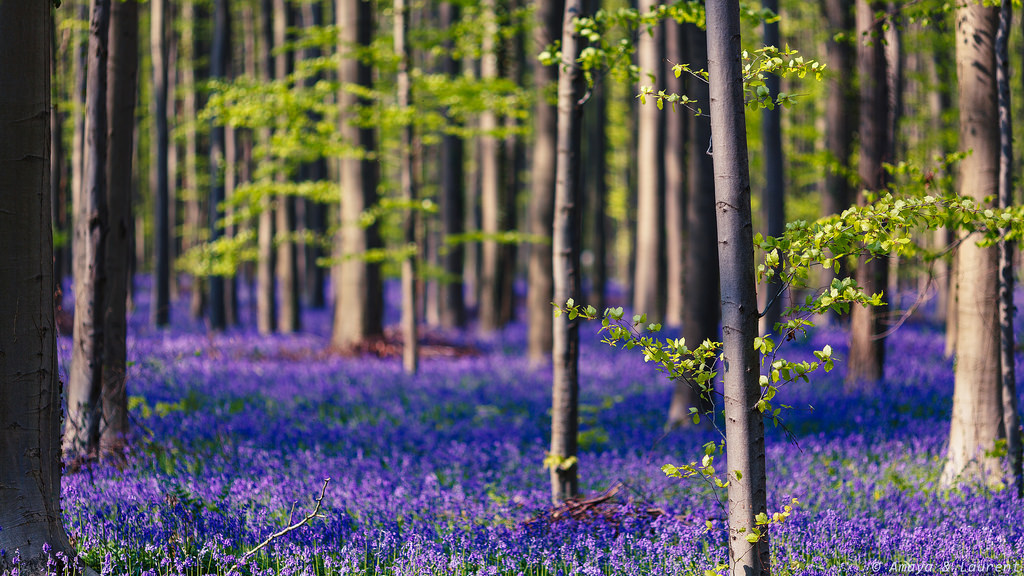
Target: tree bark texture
{"type": "Point", "coordinates": [85, 377]}
{"type": "Point", "coordinates": [649, 274]}
{"type": "Point", "coordinates": [867, 346]}
{"type": "Point", "coordinates": [547, 29]}
{"type": "Point", "coordinates": [566, 260]}
{"type": "Point", "coordinates": [977, 399]}
{"type": "Point", "coordinates": [30, 395]}
{"type": "Point", "coordinates": [744, 426]}
{"type": "Point", "coordinates": [122, 73]}
{"type": "Point", "coordinates": [359, 302]}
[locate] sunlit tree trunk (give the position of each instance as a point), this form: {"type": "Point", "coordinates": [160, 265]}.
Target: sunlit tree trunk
{"type": "Point", "coordinates": [566, 261]}
{"type": "Point", "coordinates": [85, 378]}
{"type": "Point", "coordinates": [649, 276]}
{"type": "Point", "coordinates": [189, 109]}
{"type": "Point", "coordinates": [548, 28]}
{"type": "Point", "coordinates": [977, 419]}
{"type": "Point", "coordinates": [744, 425]}
{"type": "Point", "coordinates": [410, 350]}
{"type": "Point", "coordinates": [78, 138]}
{"type": "Point", "coordinates": [122, 72]}
{"type": "Point", "coordinates": [30, 403]}
{"type": "Point", "coordinates": [867, 346]}
{"type": "Point", "coordinates": [359, 305]}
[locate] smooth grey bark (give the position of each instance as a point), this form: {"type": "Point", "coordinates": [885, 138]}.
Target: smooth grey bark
{"type": "Point", "coordinates": [220, 69]}
{"type": "Point", "coordinates": [410, 350]}
{"type": "Point", "coordinates": [266, 300]}
{"type": "Point", "coordinates": [189, 109]}
{"type": "Point", "coordinates": [744, 426]}
{"type": "Point", "coordinates": [649, 273]}
{"type": "Point", "coordinates": [1008, 376]}
{"type": "Point", "coordinates": [674, 150]}
{"type": "Point", "coordinates": [30, 403]}
{"type": "Point", "coordinates": [453, 190]}
{"type": "Point", "coordinates": [491, 152]}
{"type": "Point", "coordinates": [773, 207]}
{"type": "Point", "coordinates": [867, 345]}
{"type": "Point", "coordinates": [159, 148]}
{"type": "Point", "coordinates": [566, 260]}
{"type": "Point", "coordinates": [977, 420]}
{"type": "Point", "coordinates": [547, 29]}
{"type": "Point", "coordinates": [85, 376]}
{"type": "Point", "coordinates": [359, 305]}
{"type": "Point", "coordinates": [78, 138]}
{"type": "Point", "coordinates": [122, 73]}
{"type": "Point", "coordinates": [701, 306]}
{"type": "Point", "coordinates": [289, 312]}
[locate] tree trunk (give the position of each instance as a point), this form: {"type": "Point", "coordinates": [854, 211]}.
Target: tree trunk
{"type": "Point", "coordinates": [359, 306]}
{"type": "Point", "coordinates": [161, 308]}
{"type": "Point", "coordinates": [649, 276]}
{"type": "Point", "coordinates": [773, 208]}
{"type": "Point", "coordinates": [977, 420]}
{"type": "Point", "coordinates": [744, 425]}
{"type": "Point", "coordinates": [453, 189]}
{"type": "Point", "coordinates": [701, 307]}
{"type": "Point", "coordinates": [566, 261]}
{"type": "Point", "coordinates": [598, 184]}
{"type": "Point", "coordinates": [1008, 377]}
{"type": "Point", "coordinates": [122, 72]}
{"type": "Point", "coordinates": [410, 350]}
{"type": "Point", "coordinates": [674, 150]}
{"type": "Point", "coordinates": [30, 403]}
{"type": "Point", "coordinates": [85, 378]}
{"type": "Point", "coordinates": [266, 299]}
{"type": "Point", "coordinates": [315, 219]}
{"type": "Point", "coordinates": [491, 151]}
{"type": "Point", "coordinates": [58, 172]}
{"type": "Point", "coordinates": [867, 346]}
{"type": "Point", "coordinates": [78, 139]}
{"type": "Point", "coordinates": [289, 313]}
{"type": "Point", "coordinates": [542, 188]}
{"type": "Point", "coordinates": [189, 109]}
{"type": "Point", "coordinates": [220, 64]}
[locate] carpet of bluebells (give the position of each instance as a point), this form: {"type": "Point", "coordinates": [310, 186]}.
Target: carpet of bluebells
{"type": "Point", "coordinates": [441, 473]}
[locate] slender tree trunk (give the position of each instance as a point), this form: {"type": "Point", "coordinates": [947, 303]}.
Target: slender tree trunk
{"type": "Point", "coordinates": [453, 189]}
{"type": "Point", "coordinates": [30, 403]}
{"type": "Point", "coordinates": [161, 308]}
{"type": "Point", "coordinates": [867, 346]}
{"type": "Point", "coordinates": [58, 183]}
{"type": "Point", "coordinates": [1008, 376]}
{"type": "Point", "coordinates": [649, 276]}
{"type": "Point", "coordinates": [566, 260]}
{"type": "Point", "coordinates": [598, 179]}
{"type": "Point", "coordinates": [701, 307]}
{"type": "Point", "coordinates": [977, 420]}
{"type": "Point", "coordinates": [220, 64]}
{"type": "Point", "coordinates": [547, 29]}
{"type": "Point", "coordinates": [315, 213]}
{"type": "Point", "coordinates": [359, 306]}
{"type": "Point", "coordinates": [78, 139]}
{"type": "Point", "coordinates": [122, 72]}
{"type": "Point", "coordinates": [193, 210]}
{"type": "Point", "coordinates": [513, 161]}
{"type": "Point", "coordinates": [675, 177]}
{"type": "Point", "coordinates": [85, 378]}
{"type": "Point", "coordinates": [289, 317]}
{"type": "Point", "coordinates": [773, 208]}
{"type": "Point", "coordinates": [744, 425]}
{"type": "Point", "coordinates": [410, 352]}
{"type": "Point", "coordinates": [266, 300]}
{"type": "Point", "coordinates": [491, 151]}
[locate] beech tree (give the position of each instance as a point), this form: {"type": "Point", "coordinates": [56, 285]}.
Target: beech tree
{"type": "Point", "coordinates": [159, 149]}
{"type": "Point", "coordinates": [562, 460]}
{"type": "Point", "coordinates": [410, 350]}
{"type": "Point", "coordinates": [220, 63]}
{"type": "Point", "coordinates": [30, 403]}
{"type": "Point", "coordinates": [773, 207]}
{"type": "Point", "coordinates": [977, 401]}
{"type": "Point", "coordinates": [453, 303]}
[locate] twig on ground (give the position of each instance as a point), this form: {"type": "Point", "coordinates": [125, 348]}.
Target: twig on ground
{"type": "Point", "coordinates": [282, 532]}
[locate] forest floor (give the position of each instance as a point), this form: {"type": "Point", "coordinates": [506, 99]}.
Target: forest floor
{"type": "Point", "coordinates": [441, 472]}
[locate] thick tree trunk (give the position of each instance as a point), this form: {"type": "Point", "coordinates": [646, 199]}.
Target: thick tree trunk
{"type": "Point", "coordinates": [701, 307]}
{"type": "Point", "coordinates": [85, 378]}
{"type": "Point", "coordinates": [358, 307]}
{"type": "Point", "coordinates": [649, 276]}
{"type": "Point", "coordinates": [122, 72]}
{"type": "Point", "coordinates": [744, 426]}
{"type": "Point", "coordinates": [161, 307]}
{"type": "Point", "coordinates": [773, 207]}
{"type": "Point", "coordinates": [1008, 377]}
{"type": "Point", "coordinates": [548, 28]}
{"type": "Point", "coordinates": [566, 261]}
{"type": "Point", "coordinates": [410, 350]}
{"type": "Point", "coordinates": [30, 404]}
{"type": "Point", "coordinates": [453, 189]}
{"type": "Point", "coordinates": [977, 420]}
{"type": "Point", "coordinates": [867, 346]}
